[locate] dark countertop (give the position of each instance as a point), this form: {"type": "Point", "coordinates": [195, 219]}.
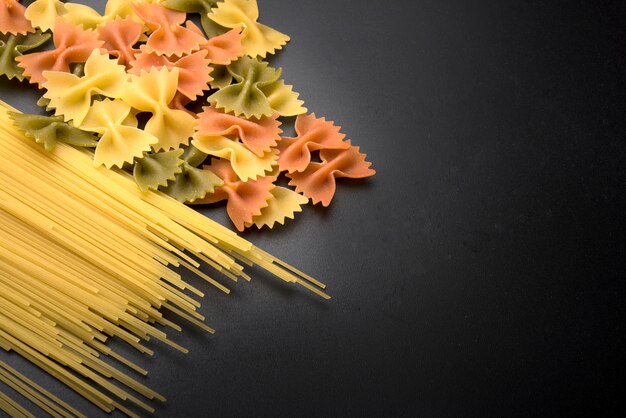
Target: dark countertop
{"type": "Point", "coordinates": [481, 272]}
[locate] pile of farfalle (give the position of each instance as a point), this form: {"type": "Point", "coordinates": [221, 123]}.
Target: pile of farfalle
{"type": "Point", "coordinates": [126, 83]}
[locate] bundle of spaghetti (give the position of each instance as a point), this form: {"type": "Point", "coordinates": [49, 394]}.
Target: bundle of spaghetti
{"type": "Point", "coordinates": [38, 395]}
{"type": "Point", "coordinates": [86, 256]}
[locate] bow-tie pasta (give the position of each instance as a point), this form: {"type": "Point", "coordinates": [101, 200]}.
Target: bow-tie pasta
{"type": "Point", "coordinates": [156, 95]}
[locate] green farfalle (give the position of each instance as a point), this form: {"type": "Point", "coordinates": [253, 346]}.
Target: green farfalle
{"type": "Point", "coordinates": [12, 46]}
{"type": "Point", "coordinates": [257, 91]}
{"type": "Point", "coordinates": [48, 131]}
{"type": "Point", "coordinates": [221, 77]}
{"type": "Point", "coordinates": [78, 69]}
{"type": "Point", "coordinates": [203, 7]}
{"type": "Point", "coordinates": [192, 183]}
{"type": "Point", "coordinates": [43, 102]}
{"type": "Point", "coordinates": [191, 6]}
{"type": "Point", "coordinates": [157, 169]}
{"type": "Point", "coordinates": [245, 97]}
{"type": "Point", "coordinates": [211, 28]}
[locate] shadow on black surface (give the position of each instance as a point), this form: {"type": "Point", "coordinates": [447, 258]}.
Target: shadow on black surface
{"type": "Point", "coordinates": [29, 95]}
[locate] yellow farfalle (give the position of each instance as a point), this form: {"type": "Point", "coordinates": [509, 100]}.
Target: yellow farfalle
{"type": "Point", "coordinates": [90, 18]}
{"type": "Point", "coordinates": [283, 99]}
{"type": "Point", "coordinates": [121, 140]}
{"type": "Point", "coordinates": [243, 161]}
{"type": "Point", "coordinates": [71, 95]}
{"type": "Point", "coordinates": [43, 13]}
{"type": "Point", "coordinates": [283, 204]}
{"type": "Point", "coordinates": [258, 39]}
{"type": "Point", "coordinates": [153, 92]}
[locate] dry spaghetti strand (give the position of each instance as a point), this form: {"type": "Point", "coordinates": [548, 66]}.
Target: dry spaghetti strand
{"type": "Point", "coordinates": [86, 256]}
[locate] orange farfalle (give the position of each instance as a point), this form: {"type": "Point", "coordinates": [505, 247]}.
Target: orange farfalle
{"type": "Point", "coordinates": [317, 182]}
{"type": "Point", "coordinates": [12, 19]}
{"type": "Point", "coordinates": [119, 37]}
{"type": "Point", "coordinates": [245, 199]}
{"type": "Point", "coordinates": [72, 44]}
{"type": "Point", "coordinates": [194, 73]}
{"type": "Point", "coordinates": [222, 49]}
{"type": "Point", "coordinates": [168, 36]}
{"type": "Point", "coordinates": [258, 135]}
{"type": "Point", "coordinates": [312, 134]}
{"type": "Point", "coordinates": [179, 102]}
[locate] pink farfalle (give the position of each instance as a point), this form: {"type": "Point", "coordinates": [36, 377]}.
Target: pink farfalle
{"type": "Point", "coordinates": [179, 102]}
{"type": "Point", "coordinates": [145, 61]}
{"type": "Point", "coordinates": [119, 37]}
{"type": "Point", "coordinates": [168, 37]}
{"type": "Point", "coordinates": [73, 44]}
{"type": "Point", "coordinates": [222, 49]}
{"type": "Point", "coordinates": [12, 19]}
{"type": "Point", "coordinates": [194, 73]}
{"type": "Point", "coordinates": [317, 181]}
{"type": "Point", "coordinates": [312, 134]}
{"type": "Point", "coordinates": [245, 199]}
{"type": "Point", "coordinates": [258, 135]}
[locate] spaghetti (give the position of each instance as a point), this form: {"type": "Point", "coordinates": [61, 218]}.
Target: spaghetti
{"type": "Point", "coordinates": [86, 256]}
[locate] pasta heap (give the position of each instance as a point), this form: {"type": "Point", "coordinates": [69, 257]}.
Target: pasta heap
{"type": "Point", "coordinates": [85, 256]}
{"type": "Point", "coordinates": [145, 111]}
{"type": "Point", "coordinates": [193, 112]}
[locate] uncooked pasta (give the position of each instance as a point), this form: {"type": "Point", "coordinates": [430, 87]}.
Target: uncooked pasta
{"type": "Point", "coordinates": [86, 256]}
{"type": "Point", "coordinates": [146, 106]}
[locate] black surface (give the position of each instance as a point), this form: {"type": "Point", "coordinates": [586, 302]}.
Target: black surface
{"type": "Point", "coordinates": [481, 272]}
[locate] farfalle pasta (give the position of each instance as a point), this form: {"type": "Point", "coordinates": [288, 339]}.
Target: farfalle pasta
{"type": "Point", "coordinates": [50, 130]}
{"type": "Point", "coordinates": [71, 96]}
{"type": "Point", "coordinates": [244, 162]}
{"type": "Point", "coordinates": [192, 183]}
{"type": "Point", "coordinates": [120, 140]}
{"type": "Point", "coordinates": [221, 77]}
{"type": "Point", "coordinates": [283, 204]}
{"type": "Point", "coordinates": [222, 49]}
{"type": "Point", "coordinates": [166, 65]}
{"type": "Point", "coordinates": [317, 181]}
{"type": "Point", "coordinates": [168, 36]}
{"type": "Point", "coordinates": [80, 14]}
{"type": "Point", "coordinates": [313, 134]}
{"type": "Point", "coordinates": [14, 46]}
{"type": "Point", "coordinates": [119, 38]}
{"type": "Point", "coordinates": [259, 40]}
{"type": "Point", "coordinates": [245, 199]}
{"type": "Point", "coordinates": [157, 169]}
{"type": "Point", "coordinates": [194, 71]}
{"type": "Point", "coordinates": [72, 44]}
{"type": "Point", "coordinates": [152, 92]}
{"type": "Point", "coordinates": [191, 6]}
{"type": "Point", "coordinates": [245, 97]}
{"type": "Point", "coordinates": [180, 101]}
{"type": "Point", "coordinates": [257, 91]}
{"type": "Point", "coordinates": [225, 48]}
{"type": "Point", "coordinates": [12, 19]}
{"type": "Point", "coordinates": [283, 100]}
{"type": "Point", "coordinates": [169, 65]}
{"type": "Point", "coordinates": [42, 14]}
{"type": "Point", "coordinates": [203, 7]}
{"type": "Point", "coordinates": [258, 135]}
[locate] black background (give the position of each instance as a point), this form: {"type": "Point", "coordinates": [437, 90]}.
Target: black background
{"type": "Point", "coordinates": [481, 272]}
